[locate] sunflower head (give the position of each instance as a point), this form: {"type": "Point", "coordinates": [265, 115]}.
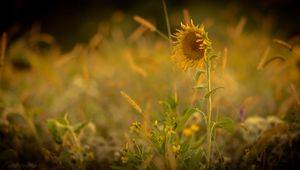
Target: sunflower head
{"type": "Point", "coordinates": [191, 46]}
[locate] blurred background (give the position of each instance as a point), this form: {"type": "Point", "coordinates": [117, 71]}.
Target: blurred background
{"type": "Point", "coordinates": [75, 56]}
{"type": "Point", "coordinates": [71, 21]}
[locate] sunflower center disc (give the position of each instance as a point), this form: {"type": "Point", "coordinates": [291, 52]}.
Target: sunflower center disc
{"type": "Point", "coordinates": [191, 48]}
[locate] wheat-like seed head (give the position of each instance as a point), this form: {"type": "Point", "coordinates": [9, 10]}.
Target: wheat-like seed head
{"type": "Point", "coordinates": [131, 102]}
{"type": "Point", "coordinates": [145, 23]}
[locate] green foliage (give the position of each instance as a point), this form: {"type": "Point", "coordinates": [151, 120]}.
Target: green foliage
{"type": "Point", "coordinates": [213, 57]}
{"type": "Point", "coordinates": [199, 73]}
{"type": "Point", "coordinates": [210, 93]}
{"type": "Point", "coordinates": [56, 131]}
{"type": "Point", "coordinates": [38, 80]}
{"type": "Point", "coordinates": [73, 154]}
{"type": "Point", "coordinates": [172, 141]}
{"type": "Point", "coordinates": [226, 123]}
{"type": "Point", "coordinates": [60, 126]}
{"type": "Point", "coordinates": [200, 86]}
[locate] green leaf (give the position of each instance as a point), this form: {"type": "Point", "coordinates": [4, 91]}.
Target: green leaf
{"type": "Point", "coordinates": [213, 57]}
{"type": "Point", "coordinates": [186, 115]}
{"type": "Point", "coordinates": [199, 142]}
{"type": "Point", "coordinates": [212, 92]}
{"type": "Point", "coordinates": [57, 132]}
{"type": "Point", "coordinates": [198, 74]}
{"type": "Point", "coordinates": [200, 86]}
{"type": "Point", "coordinates": [64, 120]}
{"type": "Point", "coordinates": [78, 127]}
{"type": "Point", "coordinates": [172, 103]}
{"type": "Point", "coordinates": [225, 123]}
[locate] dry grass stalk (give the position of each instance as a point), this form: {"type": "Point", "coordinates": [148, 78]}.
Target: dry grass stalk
{"type": "Point", "coordinates": [239, 28]}
{"type": "Point", "coordinates": [131, 102]}
{"type": "Point", "coordinates": [263, 59]}
{"type": "Point", "coordinates": [283, 43]}
{"type": "Point", "coordinates": [186, 16]}
{"type": "Point", "coordinates": [224, 63]}
{"type": "Point", "coordinates": [95, 41]}
{"type": "Point", "coordinates": [134, 66]}
{"type": "Point", "coordinates": [69, 56]}
{"type": "Point", "coordinates": [295, 94]}
{"type": "Point", "coordinates": [3, 48]}
{"type": "Point", "coordinates": [137, 34]}
{"type": "Point", "coordinates": [145, 23]}
{"type": "Point", "coordinates": [46, 38]}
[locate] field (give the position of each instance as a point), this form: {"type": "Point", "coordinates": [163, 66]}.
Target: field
{"type": "Point", "coordinates": [137, 97]}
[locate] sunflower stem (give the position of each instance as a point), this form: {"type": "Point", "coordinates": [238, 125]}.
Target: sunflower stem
{"type": "Point", "coordinates": [209, 110]}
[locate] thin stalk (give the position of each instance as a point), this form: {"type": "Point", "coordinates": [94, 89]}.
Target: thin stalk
{"type": "Point", "coordinates": [209, 109]}
{"type": "Point", "coordinates": [139, 150]}
{"type": "Point", "coordinates": [167, 19]}
{"type": "Point", "coordinates": [3, 48]}
{"type": "Point", "coordinates": [77, 146]}
{"type": "Point", "coordinates": [74, 138]}
{"type": "Point", "coordinates": [162, 35]}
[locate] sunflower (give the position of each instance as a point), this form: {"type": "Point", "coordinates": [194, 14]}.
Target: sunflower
{"type": "Point", "coordinates": [190, 49]}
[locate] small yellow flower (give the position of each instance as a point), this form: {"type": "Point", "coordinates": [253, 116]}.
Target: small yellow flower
{"type": "Point", "coordinates": [135, 126]}
{"type": "Point", "coordinates": [124, 159]}
{"type": "Point", "coordinates": [160, 138]}
{"type": "Point", "coordinates": [187, 132]}
{"type": "Point", "coordinates": [150, 133]}
{"type": "Point", "coordinates": [169, 130]}
{"type": "Point", "coordinates": [90, 155]}
{"type": "Point", "coordinates": [125, 149]}
{"type": "Point", "coordinates": [176, 148]}
{"type": "Point", "coordinates": [155, 123]}
{"type": "Point", "coordinates": [190, 49]}
{"type": "Point", "coordinates": [194, 128]}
